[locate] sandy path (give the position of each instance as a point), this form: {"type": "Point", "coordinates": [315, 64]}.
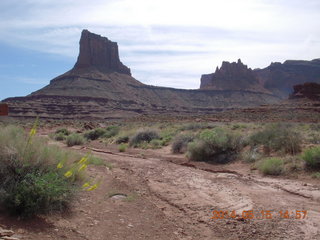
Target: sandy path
{"type": "Point", "coordinates": [187, 196]}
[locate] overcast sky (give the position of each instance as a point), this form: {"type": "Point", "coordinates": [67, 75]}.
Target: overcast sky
{"type": "Point", "coordinates": [164, 42]}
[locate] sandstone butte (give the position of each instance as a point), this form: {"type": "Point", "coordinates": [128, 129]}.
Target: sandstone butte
{"type": "Point", "coordinates": [100, 86]}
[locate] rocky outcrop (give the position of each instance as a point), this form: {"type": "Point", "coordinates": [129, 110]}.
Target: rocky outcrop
{"type": "Point", "coordinates": [101, 87]}
{"type": "Point", "coordinates": [280, 78]}
{"type": "Point", "coordinates": [306, 90]}
{"type": "Point", "coordinates": [99, 52]}
{"type": "Point", "coordinates": [232, 76]}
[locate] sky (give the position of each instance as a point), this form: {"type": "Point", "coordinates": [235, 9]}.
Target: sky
{"type": "Point", "coordinates": [164, 42]}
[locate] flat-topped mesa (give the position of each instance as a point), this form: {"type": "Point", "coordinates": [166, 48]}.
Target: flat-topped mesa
{"type": "Point", "coordinates": [232, 76]}
{"type": "Point", "coordinates": [99, 52]}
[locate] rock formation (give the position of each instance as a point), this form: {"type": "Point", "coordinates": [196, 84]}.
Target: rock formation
{"type": "Point", "coordinates": [306, 90]}
{"type": "Point", "coordinates": [280, 78]}
{"type": "Point", "coordinates": [277, 78]}
{"type": "Point", "coordinates": [101, 87]}
{"type": "Point", "coordinates": [232, 76]}
{"type": "Point", "coordinates": [99, 52]}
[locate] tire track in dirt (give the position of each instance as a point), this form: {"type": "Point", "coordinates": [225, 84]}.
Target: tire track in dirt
{"type": "Point", "coordinates": [188, 195]}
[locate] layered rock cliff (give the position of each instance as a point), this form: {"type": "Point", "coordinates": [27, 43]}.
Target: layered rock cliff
{"type": "Point", "coordinates": [306, 90]}
{"type": "Point", "coordinates": [101, 87]}
{"type": "Point", "coordinates": [99, 52]}
{"type": "Point", "coordinates": [232, 76]}
{"type": "Point", "coordinates": [277, 78]}
{"type": "Point", "coordinates": [280, 78]}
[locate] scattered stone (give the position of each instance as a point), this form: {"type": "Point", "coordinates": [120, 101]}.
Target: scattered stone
{"type": "Point", "coordinates": [118, 196]}
{"type": "Point", "coordinates": [10, 238]}
{"type": "Point", "coordinates": [6, 233]}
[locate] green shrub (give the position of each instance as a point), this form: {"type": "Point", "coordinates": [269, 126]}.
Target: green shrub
{"type": "Point", "coordinates": [122, 139]}
{"type": "Point", "coordinates": [143, 136]}
{"type": "Point", "coordinates": [217, 145]}
{"type": "Point", "coordinates": [111, 131]}
{"type": "Point", "coordinates": [278, 137]}
{"type": "Point", "coordinates": [39, 193]}
{"type": "Point", "coordinates": [93, 160]}
{"type": "Point", "coordinates": [271, 166]}
{"type": "Point", "coordinates": [30, 182]}
{"type": "Point", "coordinates": [95, 134]}
{"type": "Point", "coordinates": [196, 126]}
{"type": "Point", "coordinates": [59, 137]}
{"type": "Point", "coordinates": [74, 139]}
{"type": "Point", "coordinates": [156, 143]}
{"type": "Point", "coordinates": [180, 143]}
{"type": "Point", "coordinates": [63, 131]}
{"type": "Point", "coordinates": [122, 147]}
{"type": "Point", "coordinates": [312, 157]}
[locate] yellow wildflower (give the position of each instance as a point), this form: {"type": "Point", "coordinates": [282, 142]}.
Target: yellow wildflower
{"type": "Point", "coordinates": [86, 185]}
{"type": "Point", "coordinates": [68, 174]}
{"type": "Point", "coordinates": [83, 160]}
{"type": "Point", "coordinates": [84, 166]}
{"type": "Point", "coordinates": [60, 165]}
{"type": "Point", "coordinates": [93, 187]}
{"type": "Point", "coordinates": [33, 131]}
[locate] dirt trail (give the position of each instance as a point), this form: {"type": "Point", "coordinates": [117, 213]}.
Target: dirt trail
{"type": "Point", "coordinates": [187, 196]}
{"type": "Point", "coordinates": [168, 199]}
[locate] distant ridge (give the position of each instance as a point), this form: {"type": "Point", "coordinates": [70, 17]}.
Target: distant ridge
{"type": "Point", "coordinates": [278, 78]}
{"type": "Point", "coordinates": [100, 86]}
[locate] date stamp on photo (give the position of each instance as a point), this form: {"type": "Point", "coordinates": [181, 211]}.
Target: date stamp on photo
{"type": "Point", "coordinates": [263, 214]}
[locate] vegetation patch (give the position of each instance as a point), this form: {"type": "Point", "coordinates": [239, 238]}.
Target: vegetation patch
{"type": "Point", "coordinates": [143, 136]}
{"type": "Point", "coordinates": [271, 166]}
{"type": "Point", "coordinates": [75, 139]}
{"type": "Point", "coordinates": [95, 134]}
{"type": "Point", "coordinates": [311, 157]}
{"type": "Point", "coordinates": [217, 146]}
{"type": "Point", "coordinates": [122, 147]}
{"type": "Point", "coordinates": [278, 137]}
{"type": "Point", "coordinates": [180, 143]}
{"type": "Point", "coordinates": [122, 139]}
{"type": "Point", "coordinates": [30, 181]}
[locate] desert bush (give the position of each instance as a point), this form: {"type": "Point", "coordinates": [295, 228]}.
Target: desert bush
{"type": "Point", "coordinates": [217, 145]}
{"type": "Point", "coordinates": [180, 143]}
{"type": "Point", "coordinates": [167, 134]}
{"type": "Point", "coordinates": [63, 131]}
{"type": "Point", "coordinates": [122, 147]}
{"type": "Point", "coordinates": [278, 137]}
{"type": "Point", "coordinates": [122, 139]}
{"type": "Point", "coordinates": [39, 193]}
{"type": "Point", "coordinates": [95, 134]}
{"type": "Point", "coordinates": [156, 143]}
{"type": "Point", "coordinates": [74, 139]}
{"type": "Point", "coordinates": [30, 182]}
{"type": "Point", "coordinates": [59, 137]}
{"type": "Point", "coordinates": [111, 131]}
{"type": "Point", "coordinates": [272, 166]}
{"type": "Point", "coordinates": [311, 157]}
{"type": "Point", "coordinates": [143, 136]}
{"type": "Point", "coordinates": [251, 156]}
{"type": "Point", "coordinates": [196, 126]}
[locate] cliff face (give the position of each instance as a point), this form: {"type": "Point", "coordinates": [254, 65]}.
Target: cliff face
{"type": "Point", "coordinates": [232, 76]}
{"type": "Point", "coordinates": [280, 78]}
{"type": "Point", "coordinates": [306, 90]}
{"type": "Point", "coordinates": [277, 78]}
{"type": "Point", "coordinates": [101, 87]}
{"type": "Point", "coordinates": [99, 52]}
